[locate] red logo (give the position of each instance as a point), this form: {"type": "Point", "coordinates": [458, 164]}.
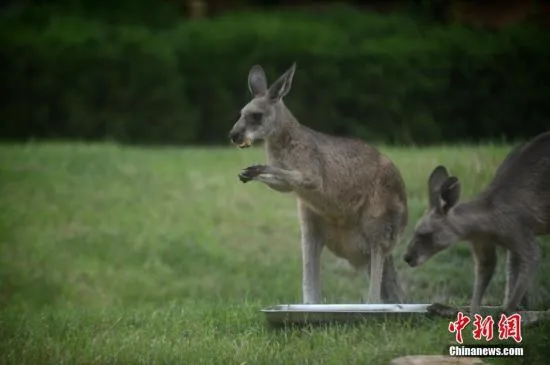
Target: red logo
{"type": "Point", "coordinates": [458, 325]}
{"type": "Point", "coordinates": [483, 328]}
{"type": "Point", "coordinates": [508, 327]}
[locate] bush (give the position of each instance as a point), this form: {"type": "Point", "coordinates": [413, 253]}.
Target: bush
{"type": "Point", "coordinates": [386, 78]}
{"type": "Point", "coordinates": [86, 80]}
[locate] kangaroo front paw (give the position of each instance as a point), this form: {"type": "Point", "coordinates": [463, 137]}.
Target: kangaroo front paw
{"type": "Point", "coordinates": [251, 172]}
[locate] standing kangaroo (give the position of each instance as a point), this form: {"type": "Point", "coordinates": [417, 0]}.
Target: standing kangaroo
{"type": "Point", "coordinates": [351, 198]}
{"type": "Point", "coordinates": [511, 212]}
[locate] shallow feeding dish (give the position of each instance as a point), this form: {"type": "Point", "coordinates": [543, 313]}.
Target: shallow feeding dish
{"type": "Point", "coordinates": [345, 313]}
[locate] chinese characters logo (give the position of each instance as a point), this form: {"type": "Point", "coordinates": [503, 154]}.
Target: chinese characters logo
{"type": "Point", "coordinates": [508, 327]}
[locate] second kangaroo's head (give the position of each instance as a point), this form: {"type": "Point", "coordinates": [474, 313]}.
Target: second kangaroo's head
{"type": "Point", "coordinates": [259, 118]}
{"type": "Point", "coordinates": [435, 231]}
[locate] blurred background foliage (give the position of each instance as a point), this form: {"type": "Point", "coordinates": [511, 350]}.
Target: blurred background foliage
{"type": "Point", "coordinates": [174, 72]}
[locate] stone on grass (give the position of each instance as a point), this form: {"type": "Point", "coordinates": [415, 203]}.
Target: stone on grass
{"type": "Point", "coordinates": [436, 360]}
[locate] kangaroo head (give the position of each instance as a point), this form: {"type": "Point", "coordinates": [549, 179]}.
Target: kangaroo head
{"type": "Point", "coordinates": [259, 118]}
{"type": "Point", "coordinates": [435, 230]}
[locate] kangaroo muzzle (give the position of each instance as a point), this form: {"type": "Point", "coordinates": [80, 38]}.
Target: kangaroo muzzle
{"type": "Point", "coordinates": [240, 139]}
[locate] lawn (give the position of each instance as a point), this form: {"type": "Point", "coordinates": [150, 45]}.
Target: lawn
{"type": "Point", "coordinates": [125, 255]}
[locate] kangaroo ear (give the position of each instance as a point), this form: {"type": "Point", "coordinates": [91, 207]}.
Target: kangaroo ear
{"type": "Point", "coordinates": [257, 81]}
{"type": "Point", "coordinates": [450, 193]}
{"type": "Point", "coordinates": [281, 87]}
{"type": "Point", "coordinates": [436, 179]}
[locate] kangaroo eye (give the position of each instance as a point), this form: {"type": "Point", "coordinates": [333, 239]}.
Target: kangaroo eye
{"type": "Point", "coordinates": [256, 118]}
{"type": "Point", "coordinates": [424, 236]}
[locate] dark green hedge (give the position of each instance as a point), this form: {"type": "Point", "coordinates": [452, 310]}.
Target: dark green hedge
{"type": "Point", "coordinates": [384, 78]}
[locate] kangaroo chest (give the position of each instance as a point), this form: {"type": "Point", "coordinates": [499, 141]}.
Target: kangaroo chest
{"type": "Point", "coordinates": [334, 202]}
{"type": "Point", "coordinates": [281, 159]}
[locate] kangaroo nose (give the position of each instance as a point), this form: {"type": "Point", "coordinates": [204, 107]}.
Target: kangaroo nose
{"type": "Point", "coordinates": [408, 259]}
{"type": "Point", "coordinates": [235, 137]}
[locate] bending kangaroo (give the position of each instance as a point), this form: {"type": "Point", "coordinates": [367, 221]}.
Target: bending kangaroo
{"type": "Point", "coordinates": [512, 210]}
{"type": "Point", "coordinates": [351, 198]}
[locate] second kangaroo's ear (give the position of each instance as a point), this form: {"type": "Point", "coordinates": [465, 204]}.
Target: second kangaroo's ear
{"type": "Point", "coordinates": [450, 193]}
{"type": "Point", "coordinates": [436, 179]}
{"type": "Point", "coordinates": [281, 87]}
{"type": "Point", "coordinates": [257, 81]}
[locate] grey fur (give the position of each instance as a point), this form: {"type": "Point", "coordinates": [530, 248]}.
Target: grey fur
{"type": "Point", "coordinates": [511, 212]}
{"type": "Point", "coordinates": [351, 198]}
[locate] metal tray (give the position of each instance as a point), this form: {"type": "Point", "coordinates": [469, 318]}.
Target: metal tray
{"type": "Point", "coordinates": [323, 313]}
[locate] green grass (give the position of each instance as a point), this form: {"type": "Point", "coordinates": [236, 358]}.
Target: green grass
{"type": "Point", "coordinates": [117, 255]}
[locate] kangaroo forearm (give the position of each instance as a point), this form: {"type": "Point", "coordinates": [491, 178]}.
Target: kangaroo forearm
{"type": "Point", "coordinates": [295, 179]}
{"type": "Point", "coordinates": [485, 263]}
{"type": "Point", "coordinates": [275, 183]}
{"type": "Point", "coordinates": [481, 282]}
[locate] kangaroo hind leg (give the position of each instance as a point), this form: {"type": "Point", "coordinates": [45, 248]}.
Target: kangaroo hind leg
{"type": "Point", "coordinates": [382, 234]}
